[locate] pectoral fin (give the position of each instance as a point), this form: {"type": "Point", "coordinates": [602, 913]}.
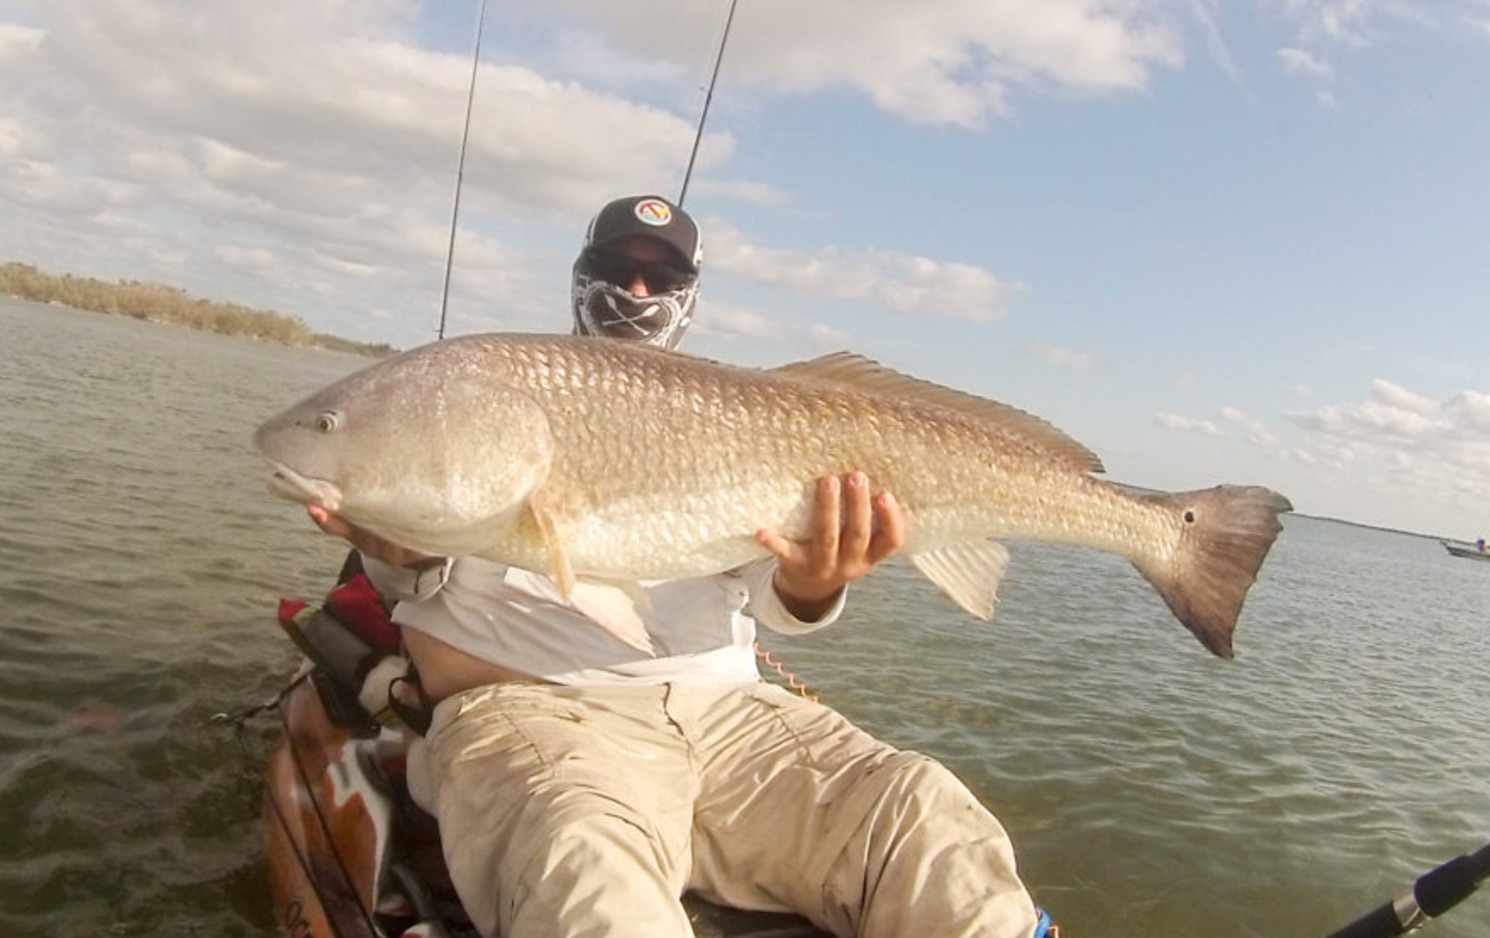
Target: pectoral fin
{"type": "Point", "coordinates": [546, 515]}
{"type": "Point", "coordinates": [968, 573]}
{"type": "Point", "coordinates": [613, 607]}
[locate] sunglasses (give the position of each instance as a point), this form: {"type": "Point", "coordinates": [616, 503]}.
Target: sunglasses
{"type": "Point", "coordinates": [623, 271]}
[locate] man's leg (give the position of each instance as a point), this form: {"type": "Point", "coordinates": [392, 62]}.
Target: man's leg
{"type": "Point", "coordinates": [564, 811]}
{"type": "Point", "coordinates": [800, 809]}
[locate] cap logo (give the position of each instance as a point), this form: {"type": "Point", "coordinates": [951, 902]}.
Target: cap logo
{"type": "Point", "coordinates": [654, 212]}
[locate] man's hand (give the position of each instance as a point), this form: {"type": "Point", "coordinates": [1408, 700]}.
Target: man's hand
{"type": "Point", "coordinates": [368, 543]}
{"type": "Point", "coordinates": [851, 534]}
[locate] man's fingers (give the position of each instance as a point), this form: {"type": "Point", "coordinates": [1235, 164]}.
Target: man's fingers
{"type": "Point", "coordinates": [776, 544]}
{"type": "Point", "coordinates": [851, 530]}
{"type": "Point", "coordinates": [858, 517]}
{"type": "Point", "coordinates": [337, 526]}
{"type": "Point", "coordinates": [827, 522]}
{"type": "Point", "coordinates": [890, 536]}
{"type": "Point", "coordinates": [328, 522]}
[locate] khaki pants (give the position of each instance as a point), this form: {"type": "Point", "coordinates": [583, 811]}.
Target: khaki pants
{"type": "Point", "coordinates": [587, 811]}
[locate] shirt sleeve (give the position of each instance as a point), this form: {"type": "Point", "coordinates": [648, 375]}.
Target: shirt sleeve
{"type": "Point", "coordinates": [402, 583]}
{"type": "Point", "coordinates": [768, 609]}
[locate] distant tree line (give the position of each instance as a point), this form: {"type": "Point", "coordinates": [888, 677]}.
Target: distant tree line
{"type": "Point", "coordinates": [159, 303]}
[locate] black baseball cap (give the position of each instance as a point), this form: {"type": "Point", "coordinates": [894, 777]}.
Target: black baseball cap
{"type": "Point", "coordinates": [650, 216]}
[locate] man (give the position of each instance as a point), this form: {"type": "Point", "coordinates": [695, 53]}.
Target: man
{"type": "Point", "coordinates": [582, 785]}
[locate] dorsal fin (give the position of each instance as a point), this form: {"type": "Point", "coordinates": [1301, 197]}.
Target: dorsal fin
{"type": "Point", "coordinates": [856, 371]}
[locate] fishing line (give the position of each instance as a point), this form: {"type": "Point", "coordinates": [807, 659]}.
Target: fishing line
{"type": "Point", "coordinates": [239, 721]}
{"type": "Point", "coordinates": [708, 96]}
{"type": "Point", "coordinates": [460, 168]}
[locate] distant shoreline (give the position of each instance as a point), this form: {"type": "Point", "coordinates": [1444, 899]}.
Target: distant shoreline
{"type": "Point", "coordinates": [154, 302]}
{"type": "Point", "coordinates": [1374, 527]}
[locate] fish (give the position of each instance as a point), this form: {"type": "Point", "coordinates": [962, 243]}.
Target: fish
{"type": "Point", "coordinates": [611, 464]}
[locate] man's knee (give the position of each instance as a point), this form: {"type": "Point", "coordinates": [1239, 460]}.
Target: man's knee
{"type": "Point", "coordinates": [563, 856]}
{"type": "Point", "coordinates": [595, 871]}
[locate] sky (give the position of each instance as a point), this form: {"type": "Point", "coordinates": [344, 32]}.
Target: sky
{"type": "Point", "coordinates": [1217, 242]}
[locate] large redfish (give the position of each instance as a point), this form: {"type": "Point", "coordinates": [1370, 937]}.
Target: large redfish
{"type": "Point", "coordinates": [598, 460]}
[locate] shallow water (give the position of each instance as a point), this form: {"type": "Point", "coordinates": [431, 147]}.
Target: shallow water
{"type": "Point", "coordinates": [1151, 789]}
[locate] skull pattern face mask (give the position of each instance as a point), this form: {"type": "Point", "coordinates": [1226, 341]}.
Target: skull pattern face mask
{"type": "Point", "coordinates": [637, 276]}
{"type": "Point", "coordinates": [603, 308]}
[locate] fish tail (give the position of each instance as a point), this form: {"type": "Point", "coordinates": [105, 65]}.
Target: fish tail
{"type": "Point", "coordinates": [1225, 532]}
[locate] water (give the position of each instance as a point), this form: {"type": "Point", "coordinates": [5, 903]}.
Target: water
{"type": "Point", "coordinates": [1151, 789]}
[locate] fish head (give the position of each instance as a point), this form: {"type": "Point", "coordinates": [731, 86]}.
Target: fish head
{"type": "Point", "coordinates": [417, 449]}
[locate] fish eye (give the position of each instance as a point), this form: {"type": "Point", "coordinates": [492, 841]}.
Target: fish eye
{"type": "Point", "coordinates": [327, 421]}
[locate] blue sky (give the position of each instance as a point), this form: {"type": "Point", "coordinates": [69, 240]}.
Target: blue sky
{"type": "Point", "coordinates": [1215, 241]}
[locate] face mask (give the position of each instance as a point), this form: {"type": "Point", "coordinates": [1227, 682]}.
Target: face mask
{"type": "Point", "coordinates": [603, 309]}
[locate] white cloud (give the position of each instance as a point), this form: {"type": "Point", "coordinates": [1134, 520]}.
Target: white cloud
{"type": "Point", "coordinates": [19, 42]}
{"type": "Point", "coordinates": [1257, 430]}
{"type": "Point", "coordinates": [1411, 442]}
{"type": "Point", "coordinates": [1307, 64]}
{"type": "Point", "coordinates": [1062, 357]}
{"type": "Point", "coordinates": [1207, 15]}
{"type": "Point", "coordinates": [1389, 412]}
{"type": "Point", "coordinates": [12, 137]}
{"type": "Point", "coordinates": [740, 190]}
{"type": "Point", "coordinates": [1345, 21]}
{"type": "Point", "coordinates": [1469, 412]}
{"type": "Point", "coordinates": [1360, 23]}
{"type": "Point", "coordinates": [252, 258]}
{"type": "Point", "coordinates": [1323, 28]}
{"type": "Point", "coordinates": [933, 62]}
{"type": "Point", "coordinates": [718, 320]}
{"type": "Point", "coordinates": [828, 337]}
{"type": "Point", "coordinates": [904, 282]}
{"type": "Point", "coordinates": [1394, 396]}
{"type": "Point", "coordinates": [722, 320]}
{"type": "Point", "coordinates": [1183, 424]}
{"type": "Point", "coordinates": [1314, 69]}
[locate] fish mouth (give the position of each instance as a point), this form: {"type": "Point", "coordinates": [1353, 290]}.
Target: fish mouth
{"type": "Point", "coordinates": [291, 485]}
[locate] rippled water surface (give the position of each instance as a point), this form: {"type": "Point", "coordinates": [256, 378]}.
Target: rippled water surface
{"type": "Point", "coordinates": [1151, 789]}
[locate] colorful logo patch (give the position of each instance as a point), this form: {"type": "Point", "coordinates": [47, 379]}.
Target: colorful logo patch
{"type": "Point", "coordinates": [653, 212]}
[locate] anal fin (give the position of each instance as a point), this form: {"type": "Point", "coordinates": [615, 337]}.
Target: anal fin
{"type": "Point", "coordinates": [969, 574]}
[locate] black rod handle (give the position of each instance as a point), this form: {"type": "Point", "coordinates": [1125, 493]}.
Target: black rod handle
{"type": "Point", "coordinates": [1435, 892]}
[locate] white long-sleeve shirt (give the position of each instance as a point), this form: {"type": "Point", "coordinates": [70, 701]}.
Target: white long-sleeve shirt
{"type": "Point", "coordinates": [699, 630]}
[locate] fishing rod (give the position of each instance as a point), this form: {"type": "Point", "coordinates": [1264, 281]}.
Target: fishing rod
{"type": "Point", "coordinates": [1434, 893]}
{"type": "Point", "coordinates": [460, 168]}
{"type": "Point", "coordinates": [708, 96]}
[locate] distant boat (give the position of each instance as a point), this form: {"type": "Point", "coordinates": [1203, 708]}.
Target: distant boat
{"type": "Point", "coordinates": [1477, 550]}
